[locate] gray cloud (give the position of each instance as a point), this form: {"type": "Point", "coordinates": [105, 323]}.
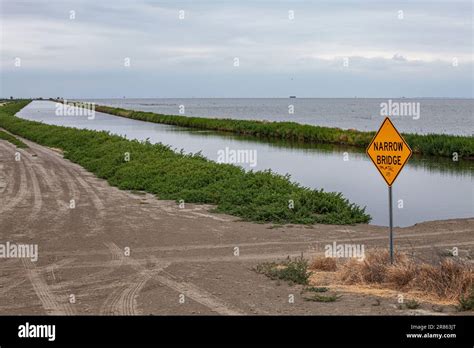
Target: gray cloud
{"type": "Point", "coordinates": [425, 43]}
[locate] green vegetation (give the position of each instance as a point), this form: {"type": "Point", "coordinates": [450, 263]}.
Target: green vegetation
{"type": "Point", "coordinates": [10, 138]}
{"type": "Point", "coordinates": [294, 271]}
{"type": "Point", "coordinates": [155, 168]}
{"type": "Point", "coordinates": [315, 294]}
{"type": "Point", "coordinates": [431, 144]}
{"type": "Point", "coordinates": [466, 303]}
{"type": "Point", "coordinates": [316, 289]}
{"type": "Point", "coordinates": [323, 298]}
{"type": "Point", "coordinates": [412, 304]}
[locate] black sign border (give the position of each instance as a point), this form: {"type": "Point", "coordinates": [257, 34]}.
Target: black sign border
{"type": "Point", "coordinates": [372, 141]}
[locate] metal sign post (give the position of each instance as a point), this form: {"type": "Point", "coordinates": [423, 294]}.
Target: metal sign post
{"type": "Point", "coordinates": [389, 152]}
{"type": "Point", "coordinates": [391, 222]}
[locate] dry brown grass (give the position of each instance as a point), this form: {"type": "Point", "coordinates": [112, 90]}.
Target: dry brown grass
{"type": "Point", "coordinates": [449, 279]}
{"type": "Point", "coordinates": [402, 273]}
{"type": "Point", "coordinates": [321, 263]}
{"type": "Point", "coordinates": [373, 269]}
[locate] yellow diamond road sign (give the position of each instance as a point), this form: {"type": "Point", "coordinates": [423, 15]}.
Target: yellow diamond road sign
{"type": "Point", "coordinates": [389, 151]}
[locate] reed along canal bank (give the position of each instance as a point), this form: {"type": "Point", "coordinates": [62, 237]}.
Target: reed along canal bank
{"type": "Point", "coordinates": [155, 168]}
{"type": "Point", "coordinates": [428, 189]}
{"type": "Point", "coordinates": [446, 145]}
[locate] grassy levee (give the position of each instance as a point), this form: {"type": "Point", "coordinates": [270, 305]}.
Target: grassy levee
{"type": "Point", "coordinates": [431, 144]}
{"type": "Point", "coordinates": [155, 168]}
{"type": "Point", "coordinates": [10, 138]}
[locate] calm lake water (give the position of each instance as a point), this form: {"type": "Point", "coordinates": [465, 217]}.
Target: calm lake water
{"type": "Point", "coordinates": [431, 189]}
{"type": "Point", "coordinates": [448, 116]}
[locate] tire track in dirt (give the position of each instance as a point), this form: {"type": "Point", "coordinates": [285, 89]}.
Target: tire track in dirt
{"type": "Point", "coordinates": [73, 179]}
{"type": "Point", "coordinates": [35, 192]}
{"type": "Point", "coordinates": [58, 169]}
{"type": "Point", "coordinates": [61, 185]}
{"type": "Point", "coordinates": [73, 172]}
{"type": "Point", "coordinates": [57, 265]}
{"type": "Point", "coordinates": [197, 294]}
{"type": "Point", "coordinates": [251, 257]}
{"type": "Point", "coordinates": [49, 301]}
{"type": "Point", "coordinates": [3, 181]}
{"type": "Point", "coordinates": [115, 261]}
{"type": "Point", "coordinates": [129, 303]}
{"type": "Point", "coordinates": [96, 222]}
{"type": "Point", "coordinates": [35, 169]}
{"type": "Point", "coordinates": [12, 285]}
{"type": "Point", "coordinates": [9, 175]}
{"type": "Point", "coordinates": [22, 190]}
{"type": "Point", "coordinates": [30, 186]}
{"type": "Point", "coordinates": [400, 237]}
{"type": "Point", "coordinates": [72, 188]}
{"type": "Point", "coordinates": [96, 200]}
{"type": "Point", "coordinates": [52, 183]}
{"type": "Point", "coordinates": [123, 301]}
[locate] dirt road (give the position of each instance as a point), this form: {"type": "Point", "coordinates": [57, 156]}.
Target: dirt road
{"type": "Point", "coordinates": [114, 252]}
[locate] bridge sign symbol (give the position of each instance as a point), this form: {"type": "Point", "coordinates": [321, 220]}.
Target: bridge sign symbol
{"type": "Point", "coordinates": [389, 151]}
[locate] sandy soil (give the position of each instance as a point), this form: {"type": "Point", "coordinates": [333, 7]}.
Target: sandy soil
{"type": "Point", "coordinates": [175, 253]}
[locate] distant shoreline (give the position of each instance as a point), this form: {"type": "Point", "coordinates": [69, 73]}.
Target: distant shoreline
{"type": "Point", "coordinates": [430, 144]}
{"type": "Point", "coordinates": [281, 97]}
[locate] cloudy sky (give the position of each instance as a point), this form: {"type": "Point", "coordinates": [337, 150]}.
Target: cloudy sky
{"type": "Point", "coordinates": [116, 48]}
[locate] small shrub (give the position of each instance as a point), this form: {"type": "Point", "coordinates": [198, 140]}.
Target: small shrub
{"type": "Point", "coordinates": [466, 302]}
{"type": "Point", "coordinates": [294, 271]}
{"type": "Point", "coordinates": [323, 298]}
{"type": "Point", "coordinates": [412, 304]}
{"type": "Point", "coordinates": [316, 289]}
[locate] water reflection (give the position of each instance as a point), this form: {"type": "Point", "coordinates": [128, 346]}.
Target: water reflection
{"type": "Point", "coordinates": [427, 189]}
